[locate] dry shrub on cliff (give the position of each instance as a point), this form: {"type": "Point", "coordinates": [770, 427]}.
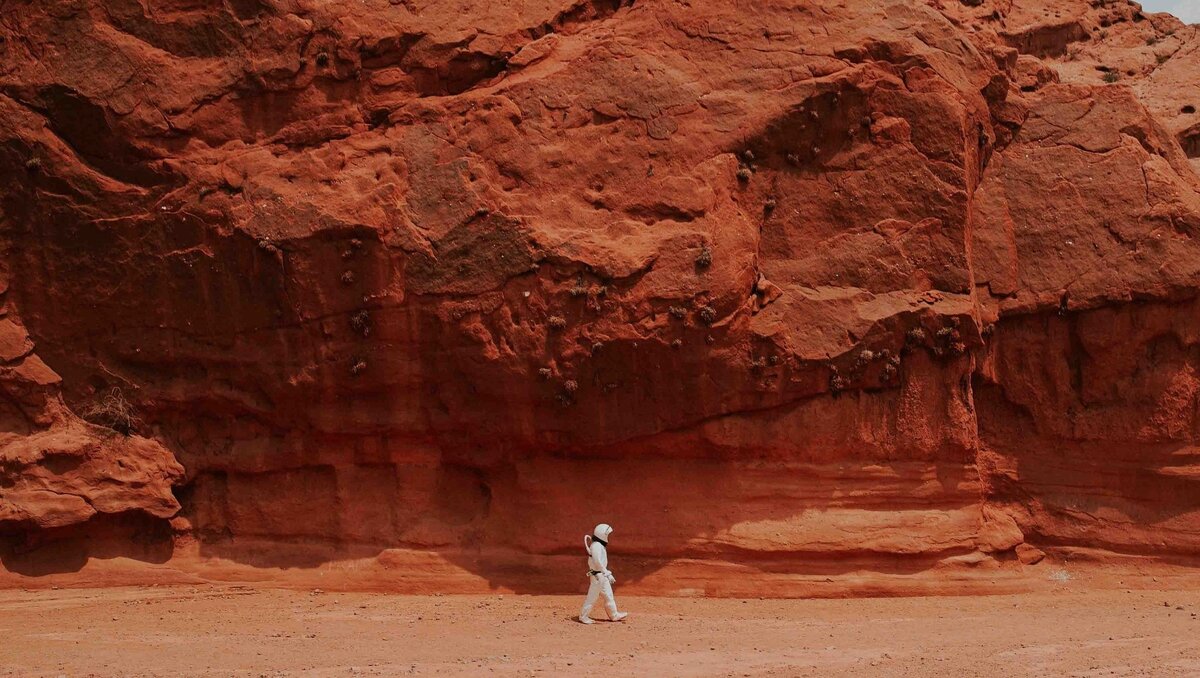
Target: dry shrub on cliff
{"type": "Point", "coordinates": [361, 323]}
{"type": "Point", "coordinates": [837, 383]}
{"type": "Point", "coordinates": [580, 289]}
{"type": "Point", "coordinates": [887, 374]}
{"type": "Point", "coordinates": [114, 412]}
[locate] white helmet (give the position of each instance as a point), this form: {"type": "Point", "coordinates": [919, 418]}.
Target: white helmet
{"type": "Point", "coordinates": [602, 531]}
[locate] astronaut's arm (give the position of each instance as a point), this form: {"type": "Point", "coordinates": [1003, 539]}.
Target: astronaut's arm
{"type": "Point", "coordinates": [602, 561]}
{"type": "Point", "coordinates": [600, 555]}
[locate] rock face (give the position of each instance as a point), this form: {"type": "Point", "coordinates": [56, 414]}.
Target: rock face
{"type": "Point", "coordinates": [815, 296]}
{"type": "Point", "coordinates": [57, 470]}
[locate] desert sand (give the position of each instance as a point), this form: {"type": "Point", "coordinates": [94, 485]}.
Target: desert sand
{"type": "Point", "coordinates": [243, 631]}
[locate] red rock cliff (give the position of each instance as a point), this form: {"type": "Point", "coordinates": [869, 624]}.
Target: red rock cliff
{"type": "Point", "coordinates": [806, 296]}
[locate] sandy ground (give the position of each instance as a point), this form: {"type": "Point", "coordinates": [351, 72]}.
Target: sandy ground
{"type": "Point", "coordinates": [239, 631]}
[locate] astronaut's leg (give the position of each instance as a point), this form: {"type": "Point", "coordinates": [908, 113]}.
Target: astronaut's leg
{"type": "Point", "coordinates": [610, 601]}
{"type": "Point", "coordinates": [592, 594]}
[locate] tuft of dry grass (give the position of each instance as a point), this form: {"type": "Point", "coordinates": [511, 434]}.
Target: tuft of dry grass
{"type": "Point", "coordinates": [114, 412]}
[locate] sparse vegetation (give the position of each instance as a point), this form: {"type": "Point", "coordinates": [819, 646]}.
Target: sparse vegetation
{"type": "Point", "coordinates": [836, 383]}
{"type": "Point", "coordinates": [570, 386]}
{"type": "Point", "coordinates": [544, 372]}
{"type": "Point", "coordinates": [580, 288]}
{"type": "Point", "coordinates": [361, 322]}
{"type": "Point", "coordinates": [358, 367]}
{"type": "Point", "coordinates": [1111, 77]}
{"type": "Point", "coordinates": [707, 314]}
{"type": "Point", "coordinates": [704, 259]}
{"type": "Point", "coordinates": [556, 322]}
{"type": "Point", "coordinates": [744, 174]}
{"type": "Point", "coordinates": [33, 164]}
{"type": "Point", "coordinates": [348, 278]}
{"type": "Point", "coordinates": [677, 312]}
{"type": "Point", "coordinates": [887, 374]}
{"type": "Point", "coordinates": [114, 412]}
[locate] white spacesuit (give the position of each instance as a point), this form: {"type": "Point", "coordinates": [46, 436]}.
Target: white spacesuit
{"type": "Point", "coordinates": [600, 577]}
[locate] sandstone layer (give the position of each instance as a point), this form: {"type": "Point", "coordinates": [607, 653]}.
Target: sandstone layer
{"type": "Point", "coordinates": [857, 297]}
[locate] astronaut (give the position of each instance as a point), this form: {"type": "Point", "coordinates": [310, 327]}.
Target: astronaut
{"type": "Point", "coordinates": [600, 577]}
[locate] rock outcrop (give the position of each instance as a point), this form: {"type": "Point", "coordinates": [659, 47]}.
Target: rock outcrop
{"type": "Point", "coordinates": [818, 296]}
{"type": "Point", "coordinates": [57, 470]}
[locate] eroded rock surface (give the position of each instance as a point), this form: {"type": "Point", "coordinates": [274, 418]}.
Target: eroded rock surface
{"type": "Point", "coordinates": [57, 470]}
{"type": "Point", "coordinates": [804, 295]}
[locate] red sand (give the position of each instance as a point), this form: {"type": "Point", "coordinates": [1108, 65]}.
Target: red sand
{"type": "Point", "coordinates": [241, 631]}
